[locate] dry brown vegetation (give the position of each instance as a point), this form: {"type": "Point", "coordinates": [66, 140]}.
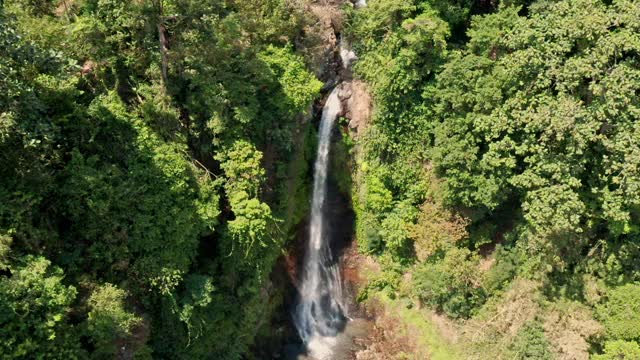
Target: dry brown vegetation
{"type": "Point", "coordinates": [504, 317]}
{"type": "Point", "coordinates": [390, 339]}
{"type": "Point", "coordinates": [437, 228]}
{"type": "Point", "coordinates": [568, 326]}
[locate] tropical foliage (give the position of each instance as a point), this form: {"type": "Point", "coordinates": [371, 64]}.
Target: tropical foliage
{"type": "Point", "coordinates": [154, 163]}
{"type": "Point", "coordinates": [136, 219]}
{"type": "Point", "coordinates": [503, 149]}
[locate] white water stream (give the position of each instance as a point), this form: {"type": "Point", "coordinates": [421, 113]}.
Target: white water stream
{"type": "Point", "coordinates": [320, 313]}
{"type": "Point", "coordinates": [346, 54]}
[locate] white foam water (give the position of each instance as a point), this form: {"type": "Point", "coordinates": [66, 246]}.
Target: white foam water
{"type": "Point", "coordinates": [321, 347]}
{"type": "Point", "coordinates": [346, 54]}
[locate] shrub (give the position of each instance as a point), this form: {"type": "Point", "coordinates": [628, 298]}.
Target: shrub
{"type": "Point", "coordinates": [450, 284]}
{"type": "Point", "coordinates": [34, 308]}
{"type": "Point", "coordinates": [436, 229]}
{"type": "Point", "coordinates": [108, 319]}
{"type": "Point", "coordinates": [619, 349]}
{"type": "Point", "coordinates": [504, 269]}
{"type": "Point", "coordinates": [621, 312]}
{"type": "Point", "coordinates": [531, 343]}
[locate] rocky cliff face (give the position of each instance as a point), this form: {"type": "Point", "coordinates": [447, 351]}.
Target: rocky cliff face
{"type": "Point", "coordinates": [330, 58]}
{"type": "Point", "coordinates": [320, 40]}
{"type": "Point", "coordinates": [357, 105]}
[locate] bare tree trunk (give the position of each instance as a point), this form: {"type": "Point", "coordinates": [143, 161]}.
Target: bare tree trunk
{"type": "Point", "coordinates": [163, 52]}
{"type": "Point", "coordinates": [162, 39]}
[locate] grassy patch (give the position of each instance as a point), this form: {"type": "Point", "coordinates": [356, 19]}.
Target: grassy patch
{"type": "Point", "coordinates": [421, 331]}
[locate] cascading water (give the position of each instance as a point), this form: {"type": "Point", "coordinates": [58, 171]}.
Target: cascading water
{"type": "Point", "coordinates": [320, 313]}
{"type": "Point", "coordinates": [346, 54]}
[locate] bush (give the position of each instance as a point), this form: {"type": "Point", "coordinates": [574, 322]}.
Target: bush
{"type": "Point", "coordinates": [531, 343]}
{"type": "Point", "coordinates": [504, 269]}
{"type": "Point", "coordinates": [34, 307]}
{"type": "Point", "coordinates": [450, 284]}
{"type": "Point", "coordinates": [616, 350]}
{"type": "Point", "coordinates": [437, 229]}
{"type": "Point", "coordinates": [108, 319]}
{"type": "Point", "coordinates": [620, 314]}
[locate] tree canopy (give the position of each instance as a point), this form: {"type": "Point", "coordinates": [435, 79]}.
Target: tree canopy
{"type": "Point", "coordinates": [135, 214]}
{"type": "Point", "coordinates": [155, 162]}
{"type": "Point", "coordinates": [503, 151]}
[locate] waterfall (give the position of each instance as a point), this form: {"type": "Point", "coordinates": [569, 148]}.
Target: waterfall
{"type": "Point", "coordinates": [360, 3]}
{"type": "Point", "coordinates": [320, 315]}
{"type": "Point", "coordinates": [346, 54]}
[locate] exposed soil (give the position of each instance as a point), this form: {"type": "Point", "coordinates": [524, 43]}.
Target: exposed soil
{"type": "Point", "coordinates": [388, 338]}
{"type": "Point", "coordinates": [360, 107]}
{"type": "Point", "coordinates": [320, 41]}
{"type": "Point", "coordinates": [387, 341]}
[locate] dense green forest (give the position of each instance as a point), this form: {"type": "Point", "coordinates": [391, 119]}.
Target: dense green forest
{"type": "Point", "coordinates": [155, 163]}
{"type": "Point", "coordinates": [501, 169]}
{"type": "Point", "coordinates": [146, 177]}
